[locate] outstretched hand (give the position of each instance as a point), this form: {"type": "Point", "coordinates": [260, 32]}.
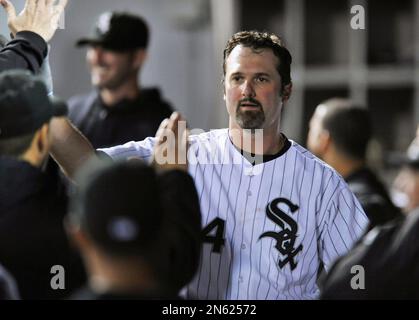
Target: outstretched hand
{"type": "Point", "coordinates": [39, 16]}
{"type": "Point", "coordinates": [170, 151]}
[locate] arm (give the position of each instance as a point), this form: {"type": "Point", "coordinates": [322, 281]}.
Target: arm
{"type": "Point", "coordinates": [26, 51]}
{"type": "Point", "coordinates": [69, 148]}
{"type": "Point", "coordinates": [343, 223]}
{"type": "Point", "coordinates": [32, 28]}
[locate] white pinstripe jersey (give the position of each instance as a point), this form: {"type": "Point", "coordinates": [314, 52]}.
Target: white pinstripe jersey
{"type": "Point", "coordinates": [267, 226]}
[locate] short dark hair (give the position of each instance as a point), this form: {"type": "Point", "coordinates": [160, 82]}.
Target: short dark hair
{"type": "Point", "coordinates": [15, 147]}
{"type": "Point", "coordinates": [350, 129]}
{"type": "Point", "coordinates": [257, 40]}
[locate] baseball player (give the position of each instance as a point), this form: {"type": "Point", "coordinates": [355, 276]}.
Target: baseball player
{"type": "Point", "coordinates": [271, 221]}
{"type": "Point", "coordinates": [339, 134]}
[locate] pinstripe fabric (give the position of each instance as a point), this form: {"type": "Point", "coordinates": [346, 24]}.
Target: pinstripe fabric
{"type": "Point", "coordinates": [326, 223]}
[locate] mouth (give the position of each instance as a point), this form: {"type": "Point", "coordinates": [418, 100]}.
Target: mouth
{"type": "Point", "coordinates": [100, 70]}
{"type": "Point", "coordinates": [99, 67]}
{"type": "Point", "coordinates": [249, 106]}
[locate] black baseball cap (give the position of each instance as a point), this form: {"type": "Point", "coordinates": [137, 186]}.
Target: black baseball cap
{"type": "Point", "coordinates": [117, 204]}
{"type": "Point", "coordinates": [118, 31]}
{"type": "Point", "coordinates": [24, 104]}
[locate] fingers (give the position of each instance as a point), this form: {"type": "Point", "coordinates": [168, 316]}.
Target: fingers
{"type": "Point", "coordinates": [9, 8]}
{"type": "Point", "coordinates": [30, 6]}
{"type": "Point", "coordinates": [171, 124]}
{"type": "Point", "coordinates": [174, 123]}
{"type": "Point", "coordinates": [183, 144]}
{"type": "Point", "coordinates": [172, 143]}
{"type": "Point", "coordinates": [49, 4]}
{"type": "Point", "coordinates": [39, 16]}
{"type": "Point", "coordinates": [40, 5]}
{"type": "Point", "coordinates": [182, 131]}
{"type": "Point", "coordinates": [60, 6]}
{"type": "Point", "coordinates": [58, 9]}
{"type": "Point", "coordinates": [161, 131]}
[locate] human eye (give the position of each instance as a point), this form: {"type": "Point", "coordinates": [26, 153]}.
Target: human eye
{"type": "Point", "coordinates": [262, 79]}
{"type": "Point", "coordinates": [236, 78]}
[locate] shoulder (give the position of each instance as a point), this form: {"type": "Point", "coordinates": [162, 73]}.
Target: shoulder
{"type": "Point", "coordinates": [210, 140]}
{"type": "Point", "coordinates": [317, 166]}
{"type": "Point", "coordinates": [154, 97]}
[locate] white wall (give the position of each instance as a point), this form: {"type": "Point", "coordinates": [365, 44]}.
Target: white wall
{"type": "Point", "coordinates": [181, 61]}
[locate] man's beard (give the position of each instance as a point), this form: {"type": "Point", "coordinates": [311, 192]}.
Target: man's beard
{"type": "Point", "coordinates": [250, 119]}
{"type": "Point", "coordinates": [118, 79]}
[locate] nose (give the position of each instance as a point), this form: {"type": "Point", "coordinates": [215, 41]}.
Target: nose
{"type": "Point", "coordinates": [248, 91]}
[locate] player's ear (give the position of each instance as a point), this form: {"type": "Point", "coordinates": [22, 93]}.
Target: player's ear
{"type": "Point", "coordinates": [140, 56]}
{"type": "Point", "coordinates": [42, 142]}
{"type": "Point", "coordinates": [286, 92]}
{"type": "Point", "coordinates": [325, 141]}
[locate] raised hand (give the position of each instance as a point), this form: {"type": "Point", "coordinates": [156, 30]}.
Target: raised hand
{"type": "Point", "coordinates": [170, 151]}
{"type": "Point", "coordinates": [39, 16]}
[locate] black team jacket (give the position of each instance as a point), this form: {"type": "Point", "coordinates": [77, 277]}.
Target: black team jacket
{"type": "Point", "coordinates": [32, 235]}
{"type": "Point", "coordinates": [128, 120]}
{"type": "Point", "coordinates": [26, 51]}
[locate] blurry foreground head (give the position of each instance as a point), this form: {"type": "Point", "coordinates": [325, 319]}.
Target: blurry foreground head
{"type": "Point", "coordinates": [120, 212]}
{"type": "Point", "coordinates": [340, 124]}
{"type": "Point", "coordinates": [25, 113]}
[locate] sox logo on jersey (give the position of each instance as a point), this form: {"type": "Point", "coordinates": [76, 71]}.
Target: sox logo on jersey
{"type": "Point", "coordinates": [285, 239]}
